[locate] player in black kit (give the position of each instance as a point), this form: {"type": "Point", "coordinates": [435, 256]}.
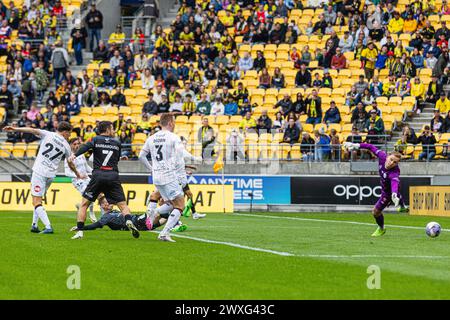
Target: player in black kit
{"type": "Point", "coordinates": [105, 176]}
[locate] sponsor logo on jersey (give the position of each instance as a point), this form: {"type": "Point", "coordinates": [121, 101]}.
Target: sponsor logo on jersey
{"type": "Point", "coordinates": [37, 188]}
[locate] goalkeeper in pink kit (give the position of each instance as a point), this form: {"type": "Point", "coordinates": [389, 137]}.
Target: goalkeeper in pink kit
{"type": "Point", "coordinates": [390, 182]}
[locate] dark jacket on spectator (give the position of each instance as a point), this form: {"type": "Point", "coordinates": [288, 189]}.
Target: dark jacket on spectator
{"type": "Point", "coordinates": [292, 133]}
{"type": "Point", "coordinates": [150, 107]}
{"type": "Point", "coordinates": [303, 79]}
{"type": "Point", "coordinates": [428, 143]}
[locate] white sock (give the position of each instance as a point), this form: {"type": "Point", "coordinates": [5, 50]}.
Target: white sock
{"type": "Point", "coordinates": [91, 210]}
{"type": "Point", "coordinates": [43, 216]}
{"type": "Point", "coordinates": [35, 218]}
{"type": "Point", "coordinates": [151, 209]}
{"type": "Point", "coordinates": [172, 222]}
{"type": "Point", "coordinates": [164, 209]}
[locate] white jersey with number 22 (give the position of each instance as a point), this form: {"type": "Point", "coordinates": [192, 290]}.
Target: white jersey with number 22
{"type": "Point", "coordinates": [52, 150]}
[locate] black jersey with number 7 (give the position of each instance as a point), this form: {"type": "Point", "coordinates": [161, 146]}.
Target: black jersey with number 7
{"type": "Point", "coordinates": [106, 152]}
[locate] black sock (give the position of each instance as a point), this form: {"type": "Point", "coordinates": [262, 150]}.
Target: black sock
{"type": "Point", "coordinates": [127, 217]}
{"type": "Point", "coordinates": [80, 225]}
{"type": "Point", "coordinates": [380, 221]}
{"type": "Point", "coordinates": [193, 208]}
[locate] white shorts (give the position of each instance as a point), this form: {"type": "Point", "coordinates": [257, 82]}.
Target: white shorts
{"type": "Point", "coordinates": [80, 184]}
{"type": "Point", "coordinates": [170, 191]}
{"type": "Point", "coordinates": [39, 184]}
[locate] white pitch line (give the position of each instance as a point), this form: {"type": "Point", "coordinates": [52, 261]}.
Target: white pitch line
{"type": "Point", "coordinates": [288, 254]}
{"type": "Point", "coordinates": [330, 221]}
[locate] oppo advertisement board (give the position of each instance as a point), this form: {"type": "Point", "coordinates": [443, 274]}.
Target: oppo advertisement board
{"type": "Point", "coordinates": [346, 190]}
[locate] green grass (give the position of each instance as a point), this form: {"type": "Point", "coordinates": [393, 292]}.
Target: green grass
{"type": "Point", "coordinates": [328, 260]}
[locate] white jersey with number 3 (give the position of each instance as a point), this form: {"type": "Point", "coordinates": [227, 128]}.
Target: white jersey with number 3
{"type": "Point", "coordinates": [52, 150]}
{"type": "Point", "coordinates": [166, 151]}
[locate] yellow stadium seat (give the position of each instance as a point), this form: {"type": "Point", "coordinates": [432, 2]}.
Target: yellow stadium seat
{"type": "Point", "coordinates": [19, 150]}
{"type": "Point", "coordinates": [32, 149]}
{"type": "Point", "coordinates": [6, 150]}
{"type": "Point", "coordinates": [97, 111]}
{"type": "Point", "coordinates": [125, 110]}
{"type": "Point", "coordinates": [295, 152]}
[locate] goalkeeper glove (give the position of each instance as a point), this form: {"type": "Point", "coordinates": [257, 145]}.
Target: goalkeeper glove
{"type": "Point", "coordinates": [351, 146]}
{"type": "Point", "coordinates": [395, 199]}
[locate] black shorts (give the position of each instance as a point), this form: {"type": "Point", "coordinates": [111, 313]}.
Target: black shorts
{"type": "Point", "coordinates": [186, 187]}
{"type": "Point", "coordinates": [107, 182]}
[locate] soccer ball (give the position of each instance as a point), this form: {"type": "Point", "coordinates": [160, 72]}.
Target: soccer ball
{"type": "Point", "coordinates": [433, 229]}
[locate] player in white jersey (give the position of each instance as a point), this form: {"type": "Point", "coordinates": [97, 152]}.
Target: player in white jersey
{"type": "Point", "coordinates": [84, 169]}
{"type": "Point", "coordinates": [53, 148]}
{"type": "Point", "coordinates": [166, 151]}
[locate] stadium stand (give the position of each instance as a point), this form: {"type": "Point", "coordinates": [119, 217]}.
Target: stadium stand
{"type": "Point", "coordinates": [257, 67]}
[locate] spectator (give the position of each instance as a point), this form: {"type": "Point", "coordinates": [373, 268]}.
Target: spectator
{"type": "Point", "coordinates": [79, 35]}
{"type": "Point", "coordinates": [264, 121]}
{"type": "Point", "coordinates": [164, 105]}
{"type": "Point", "coordinates": [231, 107]}
{"type": "Point", "coordinates": [118, 99]}
{"type": "Point", "coordinates": [60, 61]}
{"type": "Point", "coordinates": [94, 21]}
{"type": "Point", "coordinates": [335, 145]}
{"type": "Point", "coordinates": [125, 142]}
{"type": "Point", "coordinates": [375, 122]}
{"type": "Point", "coordinates": [13, 136]}
{"type": "Point", "coordinates": [204, 106]}
{"type": "Point", "coordinates": [369, 56]}
{"type": "Point", "coordinates": [260, 62]}
{"type": "Point", "coordinates": [303, 77]}
{"type": "Point", "coordinates": [430, 61]}
{"type": "Point", "coordinates": [235, 146]}
{"type": "Point", "coordinates": [338, 61]}
{"type": "Point", "coordinates": [396, 24]}
{"type": "Point", "coordinates": [188, 107]}
{"type": "Point", "coordinates": [151, 107]}
{"type": "Point", "coordinates": [437, 122]}
{"type": "Point", "coordinates": [291, 133]}
{"type": "Point", "coordinates": [327, 81]}
{"type": "Point", "coordinates": [332, 115]}
{"type": "Point", "coordinates": [443, 104]}
{"type": "Point", "coordinates": [322, 145]}
{"type": "Point", "coordinates": [307, 147]}
{"type": "Point", "coordinates": [418, 92]}
{"type": "Point", "coordinates": [217, 107]}
{"type": "Point", "coordinates": [117, 37]}
{"type": "Point", "coordinates": [101, 53]}
{"type": "Point", "coordinates": [246, 63]}
{"type": "Point", "coordinates": [285, 104]}
{"type": "Point", "coordinates": [177, 105]}
{"type": "Point", "coordinates": [346, 42]}
{"type": "Point", "coordinates": [42, 81]}
{"type": "Point", "coordinates": [361, 85]}
{"type": "Point", "coordinates": [247, 124]}
{"type": "Point", "coordinates": [279, 122]}
{"type": "Point", "coordinates": [264, 79]}
{"type": "Point", "coordinates": [6, 101]}
{"type": "Point", "coordinates": [278, 79]}
{"type": "Point", "coordinates": [317, 83]}
{"type": "Point", "coordinates": [447, 123]}
{"type": "Point", "coordinates": [434, 90]}
{"type": "Point", "coordinates": [90, 96]}
{"type": "Point", "coordinates": [73, 108]}
{"type": "Point", "coordinates": [33, 112]}
{"type": "Point", "coordinates": [314, 108]}
{"type": "Point", "coordinates": [206, 136]}
{"type": "Point", "coordinates": [428, 142]}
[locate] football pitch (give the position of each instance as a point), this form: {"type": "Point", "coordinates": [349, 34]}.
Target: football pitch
{"type": "Point", "coordinates": [235, 256]}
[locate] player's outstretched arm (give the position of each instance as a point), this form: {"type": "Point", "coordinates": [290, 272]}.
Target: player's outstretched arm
{"type": "Point", "coordinates": [74, 168]}
{"type": "Point", "coordinates": [143, 158]}
{"type": "Point", "coordinates": [36, 132]}
{"type": "Point", "coordinates": [84, 148]}
{"type": "Point", "coordinates": [377, 152]}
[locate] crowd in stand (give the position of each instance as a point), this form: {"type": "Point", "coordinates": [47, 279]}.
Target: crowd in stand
{"type": "Point", "coordinates": [200, 50]}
